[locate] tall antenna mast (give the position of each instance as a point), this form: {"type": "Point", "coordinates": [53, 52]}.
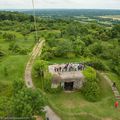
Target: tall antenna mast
{"type": "Point", "coordinates": [35, 23]}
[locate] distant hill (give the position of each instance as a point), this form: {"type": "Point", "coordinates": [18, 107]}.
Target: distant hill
{"type": "Point", "coordinates": [70, 12]}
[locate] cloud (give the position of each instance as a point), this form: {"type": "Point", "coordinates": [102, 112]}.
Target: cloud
{"type": "Point", "coordinates": [25, 4]}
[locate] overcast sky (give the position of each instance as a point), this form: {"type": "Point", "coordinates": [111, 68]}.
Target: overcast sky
{"type": "Point", "coordinates": [78, 4]}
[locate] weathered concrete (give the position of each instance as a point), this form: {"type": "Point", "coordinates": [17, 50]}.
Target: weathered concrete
{"type": "Point", "coordinates": [60, 77]}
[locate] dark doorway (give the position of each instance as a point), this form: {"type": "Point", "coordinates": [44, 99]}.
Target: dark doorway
{"type": "Point", "coordinates": [68, 86]}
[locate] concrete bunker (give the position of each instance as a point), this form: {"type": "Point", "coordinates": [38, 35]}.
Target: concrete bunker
{"type": "Point", "coordinates": [69, 79]}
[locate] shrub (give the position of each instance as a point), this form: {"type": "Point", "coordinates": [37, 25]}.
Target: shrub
{"type": "Point", "coordinates": [16, 49]}
{"type": "Point", "coordinates": [52, 90]}
{"type": "Point", "coordinates": [2, 53]}
{"type": "Point", "coordinates": [23, 51]}
{"type": "Point", "coordinates": [91, 90]}
{"type": "Point", "coordinates": [98, 65]}
{"type": "Point", "coordinates": [47, 56]}
{"type": "Point", "coordinates": [70, 55]}
{"type": "Point", "coordinates": [47, 85]}
{"type": "Point", "coordinates": [40, 68]}
{"type": "Point", "coordinates": [90, 74]}
{"type": "Point", "coordinates": [9, 36]}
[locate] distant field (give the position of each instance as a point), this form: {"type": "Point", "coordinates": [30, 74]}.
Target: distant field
{"type": "Point", "coordinates": [113, 17]}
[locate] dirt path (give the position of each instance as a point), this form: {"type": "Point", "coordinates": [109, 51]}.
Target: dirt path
{"type": "Point", "coordinates": [28, 78]}
{"type": "Point", "coordinates": [28, 71]}
{"type": "Point", "coordinates": [114, 89]}
{"type": "Point", "coordinates": [50, 114]}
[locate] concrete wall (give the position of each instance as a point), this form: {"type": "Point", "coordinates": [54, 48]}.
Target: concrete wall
{"type": "Point", "coordinates": [78, 84]}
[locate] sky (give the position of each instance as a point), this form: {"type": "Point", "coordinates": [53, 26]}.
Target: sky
{"type": "Point", "coordinates": [67, 4]}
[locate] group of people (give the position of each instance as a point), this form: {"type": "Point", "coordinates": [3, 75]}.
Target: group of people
{"type": "Point", "coordinates": [69, 67]}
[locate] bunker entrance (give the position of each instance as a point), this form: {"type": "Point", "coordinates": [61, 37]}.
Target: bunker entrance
{"type": "Point", "coordinates": [68, 86]}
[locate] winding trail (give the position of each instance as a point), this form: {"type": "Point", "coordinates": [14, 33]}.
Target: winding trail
{"type": "Point", "coordinates": [28, 78]}
{"type": "Point", "coordinates": [114, 89]}
{"type": "Point", "coordinates": [28, 71]}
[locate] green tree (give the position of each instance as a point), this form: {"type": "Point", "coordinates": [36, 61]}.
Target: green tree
{"type": "Point", "coordinates": [88, 39]}
{"type": "Point", "coordinates": [96, 48]}
{"type": "Point", "coordinates": [17, 86]}
{"type": "Point", "coordinates": [115, 31]}
{"type": "Point", "coordinates": [2, 53]}
{"type": "Point", "coordinates": [5, 106]}
{"type": "Point", "coordinates": [27, 103]}
{"type": "Point", "coordinates": [63, 48]}
{"type": "Point", "coordinates": [40, 68]}
{"type": "Point", "coordinates": [91, 89]}
{"type": "Point", "coordinates": [9, 36]}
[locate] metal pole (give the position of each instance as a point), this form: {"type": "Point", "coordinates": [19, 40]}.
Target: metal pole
{"type": "Point", "coordinates": [35, 23]}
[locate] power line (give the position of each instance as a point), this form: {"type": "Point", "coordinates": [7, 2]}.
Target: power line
{"type": "Point", "coordinates": [35, 22]}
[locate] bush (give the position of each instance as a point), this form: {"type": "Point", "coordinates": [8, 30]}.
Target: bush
{"type": "Point", "coordinates": [47, 85]}
{"type": "Point", "coordinates": [70, 55]}
{"type": "Point", "coordinates": [40, 67]}
{"type": "Point", "coordinates": [23, 51]}
{"type": "Point", "coordinates": [16, 49]}
{"type": "Point", "coordinates": [2, 53]}
{"type": "Point", "coordinates": [90, 74]}
{"type": "Point", "coordinates": [5, 106]}
{"type": "Point", "coordinates": [47, 56]}
{"type": "Point", "coordinates": [52, 90]}
{"type": "Point", "coordinates": [9, 36]}
{"type": "Point", "coordinates": [91, 89]}
{"type": "Point", "coordinates": [98, 65]}
{"type": "Point", "coordinates": [96, 48]}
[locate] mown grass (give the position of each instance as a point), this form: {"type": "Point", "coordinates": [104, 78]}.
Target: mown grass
{"type": "Point", "coordinates": [11, 68]}
{"type": "Point", "coordinates": [115, 78]}
{"type": "Point", "coordinates": [73, 106]}
{"type": "Point", "coordinates": [23, 42]}
{"type": "Point", "coordinates": [69, 60]}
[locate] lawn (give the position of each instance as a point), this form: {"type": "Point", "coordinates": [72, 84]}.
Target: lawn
{"type": "Point", "coordinates": [11, 68]}
{"type": "Point", "coordinates": [68, 60]}
{"type": "Point", "coordinates": [115, 78]}
{"type": "Point", "coordinates": [73, 106]}
{"type": "Point", "coordinates": [24, 42]}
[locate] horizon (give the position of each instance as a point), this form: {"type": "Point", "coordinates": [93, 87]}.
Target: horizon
{"type": "Point", "coordinates": [60, 4]}
{"type": "Point", "coordinates": [58, 9]}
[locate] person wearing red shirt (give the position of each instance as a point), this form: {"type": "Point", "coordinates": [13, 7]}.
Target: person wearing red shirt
{"type": "Point", "coordinates": [116, 104]}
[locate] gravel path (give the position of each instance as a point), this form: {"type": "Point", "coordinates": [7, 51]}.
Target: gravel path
{"type": "Point", "coordinates": [50, 114]}
{"type": "Point", "coordinates": [114, 89]}
{"type": "Point", "coordinates": [28, 71]}
{"type": "Point", "coordinates": [28, 78]}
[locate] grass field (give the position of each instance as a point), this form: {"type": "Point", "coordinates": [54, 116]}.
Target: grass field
{"type": "Point", "coordinates": [11, 68]}
{"type": "Point", "coordinates": [115, 78]}
{"type": "Point", "coordinates": [73, 106]}
{"type": "Point", "coordinates": [113, 17]}
{"type": "Point", "coordinates": [68, 60]}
